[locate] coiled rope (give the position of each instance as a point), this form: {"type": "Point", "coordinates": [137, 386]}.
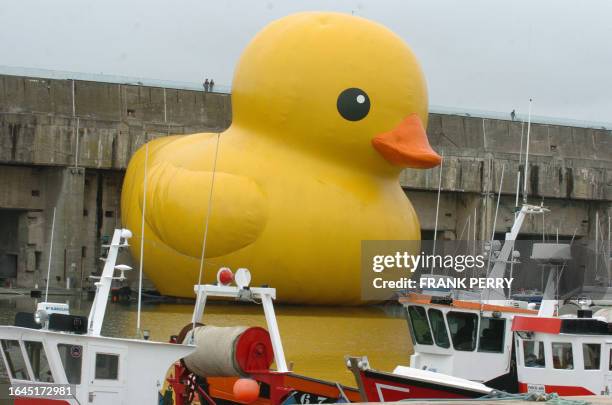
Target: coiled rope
{"type": "Point", "coordinates": [552, 398]}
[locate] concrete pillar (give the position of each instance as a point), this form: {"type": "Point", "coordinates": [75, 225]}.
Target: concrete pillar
{"type": "Point", "coordinates": [65, 189]}
{"type": "Point", "coordinates": [489, 198]}
{"type": "Point", "coordinates": [26, 271]}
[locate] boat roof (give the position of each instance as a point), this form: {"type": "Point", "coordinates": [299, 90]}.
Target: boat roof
{"type": "Point", "coordinates": [20, 333]}
{"type": "Point", "coordinates": [423, 299]}
{"type": "Point", "coordinates": [439, 378]}
{"type": "Point", "coordinates": [555, 326]}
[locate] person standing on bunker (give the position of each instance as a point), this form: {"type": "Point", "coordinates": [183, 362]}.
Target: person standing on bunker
{"type": "Point", "coordinates": [211, 85]}
{"type": "Point", "coordinates": [206, 84]}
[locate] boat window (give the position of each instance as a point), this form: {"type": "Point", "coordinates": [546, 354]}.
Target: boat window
{"type": "Point", "coordinates": [107, 366]}
{"type": "Point", "coordinates": [562, 356]}
{"type": "Point", "coordinates": [591, 353]}
{"type": "Point", "coordinates": [419, 325]}
{"type": "Point", "coordinates": [38, 361]}
{"type": "Point", "coordinates": [72, 357]}
{"type": "Point", "coordinates": [533, 352]}
{"type": "Point", "coordinates": [438, 328]}
{"type": "Point", "coordinates": [462, 327]}
{"type": "Point", "coordinates": [492, 334]}
{"type": "Point", "coordinates": [14, 358]}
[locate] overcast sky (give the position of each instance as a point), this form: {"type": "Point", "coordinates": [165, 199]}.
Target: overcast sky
{"type": "Point", "coordinates": [479, 55]}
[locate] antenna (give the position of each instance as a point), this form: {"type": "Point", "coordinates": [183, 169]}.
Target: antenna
{"type": "Point", "coordinates": [501, 182]}
{"type": "Point", "coordinates": [474, 228]}
{"type": "Point", "coordinates": [50, 254]}
{"type": "Point", "coordinates": [76, 153]}
{"type": "Point", "coordinates": [596, 242]}
{"type": "Point", "coordinates": [527, 154]}
{"type": "Point", "coordinates": [518, 171]}
{"type": "Point", "coordinates": [435, 236]}
{"type": "Point", "coordinates": [212, 185]}
{"type": "Point", "coordinates": [469, 231]}
{"type": "Point", "coordinates": [609, 257]}
{"type": "Point", "coordinates": [142, 228]}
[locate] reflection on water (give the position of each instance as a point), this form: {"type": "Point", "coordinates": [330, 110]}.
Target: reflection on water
{"type": "Point", "coordinates": [315, 338]}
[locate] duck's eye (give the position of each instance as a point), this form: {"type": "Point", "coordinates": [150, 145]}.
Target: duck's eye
{"type": "Point", "coordinates": [353, 104]}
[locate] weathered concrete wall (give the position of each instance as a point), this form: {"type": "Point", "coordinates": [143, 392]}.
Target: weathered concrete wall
{"type": "Point", "coordinates": [564, 162]}
{"type": "Point", "coordinates": [570, 171]}
{"type": "Point", "coordinates": [113, 102]}
{"type": "Point", "coordinates": [570, 168]}
{"type": "Point", "coordinates": [40, 122]}
{"type": "Point", "coordinates": [20, 187]}
{"type": "Point", "coordinates": [40, 119]}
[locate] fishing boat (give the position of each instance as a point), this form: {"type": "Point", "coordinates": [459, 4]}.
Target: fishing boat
{"type": "Point", "coordinates": [53, 357]}
{"type": "Point", "coordinates": [227, 355]}
{"type": "Point", "coordinates": [449, 338]}
{"type": "Point", "coordinates": [452, 331]}
{"type": "Point", "coordinates": [410, 383]}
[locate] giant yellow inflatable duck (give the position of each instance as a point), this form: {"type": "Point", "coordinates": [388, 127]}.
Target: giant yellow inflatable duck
{"type": "Point", "coordinates": [327, 110]}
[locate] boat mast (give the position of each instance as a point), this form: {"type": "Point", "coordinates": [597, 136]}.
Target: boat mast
{"type": "Point", "coordinates": [98, 307]}
{"type": "Point", "coordinates": [501, 182]}
{"type": "Point", "coordinates": [609, 256]}
{"type": "Point", "coordinates": [50, 255]}
{"type": "Point", "coordinates": [597, 242]}
{"type": "Point", "coordinates": [518, 172]}
{"type": "Point", "coordinates": [212, 185]}
{"type": "Point", "coordinates": [527, 154]}
{"type": "Point", "coordinates": [505, 254]}
{"type": "Point", "coordinates": [435, 236]}
{"type": "Point", "coordinates": [142, 229]}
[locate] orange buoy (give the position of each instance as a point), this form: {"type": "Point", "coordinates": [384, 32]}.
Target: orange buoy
{"type": "Point", "coordinates": [246, 390]}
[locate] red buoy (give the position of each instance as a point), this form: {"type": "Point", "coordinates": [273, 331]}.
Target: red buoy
{"type": "Point", "coordinates": [246, 390]}
{"type": "Point", "coordinates": [225, 276]}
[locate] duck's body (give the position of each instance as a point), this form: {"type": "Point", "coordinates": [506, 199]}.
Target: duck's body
{"type": "Point", "coordinates": [285, 204]}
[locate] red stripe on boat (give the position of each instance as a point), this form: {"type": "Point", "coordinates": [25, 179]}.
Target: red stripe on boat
{"type": "Point", "coordinates": [39, 401]}
{"type": "Point", "coordinates": [532, 324]}
{"type": "Point", "coordinates": [562, 390]}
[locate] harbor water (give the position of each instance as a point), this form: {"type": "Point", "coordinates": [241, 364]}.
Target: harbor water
{"type": "Point", "coordinates": [315, 339]}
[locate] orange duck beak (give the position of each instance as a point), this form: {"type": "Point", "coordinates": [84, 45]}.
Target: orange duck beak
{"type": "Point", "coordinates": [406, 145]}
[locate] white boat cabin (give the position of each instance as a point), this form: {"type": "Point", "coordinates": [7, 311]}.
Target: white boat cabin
{"type": "Point", "coordinates": [51, 346]}
{"type": "Point", "coordinates": [451, 336]}
{"type": "Point", "coordinates": [569, 356]}
{"type": "Point", "coordinates": [96, 367]}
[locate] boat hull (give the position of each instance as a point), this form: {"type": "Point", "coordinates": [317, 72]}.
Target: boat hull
{"type": "Point", "coordinates": [379, 386]}
{"type": "Point", "coordinates": [276, 388]}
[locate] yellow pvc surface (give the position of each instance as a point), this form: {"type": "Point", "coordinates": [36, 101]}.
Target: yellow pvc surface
{"type": "Point", "coordinates": [297, 186]}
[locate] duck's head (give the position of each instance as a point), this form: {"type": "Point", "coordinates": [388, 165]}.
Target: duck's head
{"type": "Point", "coordinates": [337, 85]}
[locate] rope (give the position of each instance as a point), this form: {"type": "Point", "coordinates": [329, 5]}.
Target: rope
{"type": "Point", "coordinates": [210, 199]}
{"type": "Point", "coordinates": [552, 398]}
{"type": "Point", "coordinates": [50, 255]}
{"type": "Point", "coordinates": [142, 230]}
{"type": "Point", "coordinates": [435, 237]}
{"type": "Point", "coordinates": [501, 182]}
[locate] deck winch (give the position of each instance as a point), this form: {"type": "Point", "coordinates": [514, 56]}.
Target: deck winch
{"type": "Point", "coordinates": [224, 351]}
